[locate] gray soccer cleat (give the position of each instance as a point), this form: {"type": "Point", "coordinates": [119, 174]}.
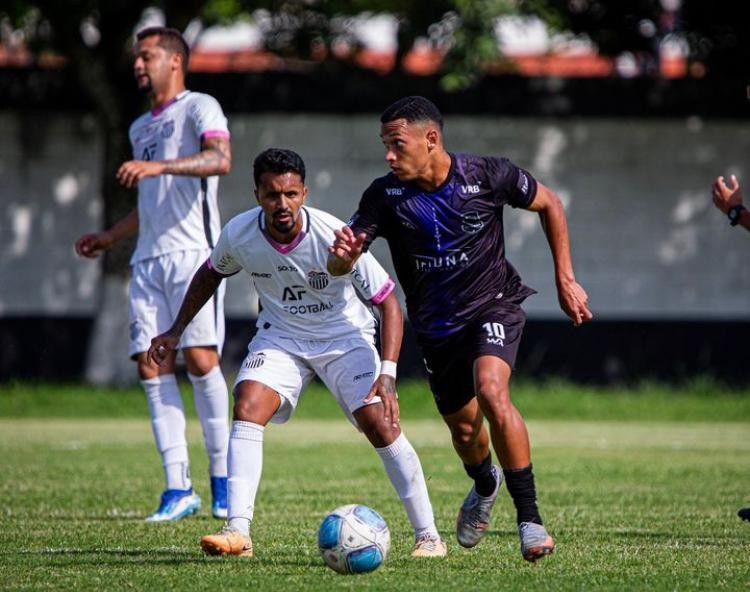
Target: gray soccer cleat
{"type": "Point", "coordinates": [474, 515]}
{"type": "Point", "coordinates": [535, 541]}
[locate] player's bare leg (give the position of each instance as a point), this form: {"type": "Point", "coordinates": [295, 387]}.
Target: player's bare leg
{"type": "Point", "coordinates": [510, 439]}
{"type": "Point", "coordinates": [404, 470]}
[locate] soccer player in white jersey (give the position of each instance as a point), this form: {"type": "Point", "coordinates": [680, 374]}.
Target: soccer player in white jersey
{"type": "Point", "coordinates": [310, 323]}
{"type": "Point", "coordinates": [180, 147]}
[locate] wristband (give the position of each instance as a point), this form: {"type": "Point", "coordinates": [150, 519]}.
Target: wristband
{"type": "Point", "coordinates": [388, 368]}
{"type": "Point", "coordinates": [734, 214]}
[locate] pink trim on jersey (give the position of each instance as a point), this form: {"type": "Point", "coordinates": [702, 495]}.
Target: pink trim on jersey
{"type": "Point", "coordinates": [160, 109]}
{"type": "Point", "coordinates": [215, 134]}
{"type": "Point", "coordinates": [384, 292]}
{"type": "Point", "coordinates": [284, 248]}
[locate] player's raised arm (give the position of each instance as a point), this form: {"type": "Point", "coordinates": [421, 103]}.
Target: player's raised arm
{"type": "Point", "coordinates": [571, 295]}
{"type": "Point", "coordinates": [345, 251]}
{"type": "Point", "coordinates": [202, 287]}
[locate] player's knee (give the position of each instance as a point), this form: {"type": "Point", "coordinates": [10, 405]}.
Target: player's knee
{"type": "Point", "coordinates": [495, 404]}
{"type": "Point", "coordinates": [378, 431]}
{"type": "Point", "coordinates": [465, 434]}
{"type": "Point", "coordinates": [200, 360]}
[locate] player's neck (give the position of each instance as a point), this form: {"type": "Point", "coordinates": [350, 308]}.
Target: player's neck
{"type": "Point", "coordinates": [284, 238]}
{"type": "Point", "coordinates": [162, 97]}
{"type": "Point", "coordinates": [436, 172]}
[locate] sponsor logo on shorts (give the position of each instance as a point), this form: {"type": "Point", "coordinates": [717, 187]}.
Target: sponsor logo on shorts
{"type": "Point", "coordinates": [286, 268]}
{"type": "Point", "coordinates": [255, 361]}
{"type": "Point", "coordinates": [260, 275]}
{"type": "Point", "coordinates": [317, 279]}
{"type": "Point", "coordinates": [495, 333]}
{"type": "Point", "coordinates": [363, 375]}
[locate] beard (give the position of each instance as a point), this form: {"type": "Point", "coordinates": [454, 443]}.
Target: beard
{"type": "Point", "coordinates": [284, 227]}
{"type": "Point", "coordinates": [144, 84]}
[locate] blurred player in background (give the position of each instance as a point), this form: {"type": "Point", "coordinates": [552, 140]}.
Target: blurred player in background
{"type": "Point", "coordinates": [310, 324]}
{"type": "Point", "coordinates": [441, 214]}
{"type": "Point", "coordinates": [728, 199]}
{"type": "Point", "coordinates": [180, 146]}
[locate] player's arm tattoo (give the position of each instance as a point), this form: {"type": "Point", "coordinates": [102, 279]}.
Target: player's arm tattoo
{"type": "Point", "coordinates": [215, 158]}
{"type": "Point", "coordinates": [202, 287]}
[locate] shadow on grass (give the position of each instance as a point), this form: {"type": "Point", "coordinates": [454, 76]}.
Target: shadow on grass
{"type": "Point", "coordinates": [158, 556]}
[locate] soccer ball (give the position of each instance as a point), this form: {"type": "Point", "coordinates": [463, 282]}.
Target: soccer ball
{"type": "Point", "coordinates": [353, 539]}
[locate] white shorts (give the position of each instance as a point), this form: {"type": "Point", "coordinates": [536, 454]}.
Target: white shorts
{"type": "Point", "coordinates": [348, 367]}
{"type": "Point", "coordinates": [156, 291]}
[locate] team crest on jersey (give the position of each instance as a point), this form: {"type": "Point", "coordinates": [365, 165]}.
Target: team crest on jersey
{"type": "Point", "coordinates": [318, 280]}
{"type": "Point", "coordinates": [167, 129]}
{"type": "Point", "coordinates": [471, 222]}
{"type": "Point", "coordinates": [255, 361]}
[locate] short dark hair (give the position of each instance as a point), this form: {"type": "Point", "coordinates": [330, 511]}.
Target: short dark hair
{"type": "Point", "coordinates": [413, 109]}
{"type": "Point", "coordinates": [169, 39]}
{"type": "Point", "coordinates": [278, 160]}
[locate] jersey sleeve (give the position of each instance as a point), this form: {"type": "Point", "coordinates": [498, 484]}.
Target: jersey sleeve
{"type": "Point", "coordinates": [207, 118]}
{"type": "Point", "coordinates": [513, 185]}
{"type": "Point", "coordinates": [368, 217]}
{"type": "Point", "coordinates": [371, 281]}
{"type": "Point", "coordinates": [223, 259]}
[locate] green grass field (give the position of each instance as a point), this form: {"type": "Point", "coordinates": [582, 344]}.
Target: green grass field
{"type": "Point", "coordinates": [640, 489]}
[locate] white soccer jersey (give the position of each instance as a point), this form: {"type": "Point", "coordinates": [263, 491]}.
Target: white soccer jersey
{"type": "Point", "coordinates": [176, 212]}
{"type": "Point", "coordinates": [298, 297]}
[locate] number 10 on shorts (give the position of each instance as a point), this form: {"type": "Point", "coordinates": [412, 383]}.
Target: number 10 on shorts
{"type": "Point", "coordinates": [495, 333]}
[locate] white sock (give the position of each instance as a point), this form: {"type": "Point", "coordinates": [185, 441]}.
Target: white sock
{"type": "Point", "coordinates": [405, 472]}
{"type": "Point", "coordinates": [212, 405]}
{"type": "Point", "coordinates": [245, 465]}
{"type": "Point", "coordinates": [168, 425]}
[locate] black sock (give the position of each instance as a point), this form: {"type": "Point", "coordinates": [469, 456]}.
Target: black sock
{"type": "Point", "coordinates": [484, 479]}
{"type": "Point", "coordinates": [520, 484]}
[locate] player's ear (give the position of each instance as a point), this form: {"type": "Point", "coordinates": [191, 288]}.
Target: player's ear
{"type": "Point", "coordinates": [257, 197]}
{"type": "Point", "coordinates": [433, 138]}
{"type": "Point", "coordinates": [305, 191]}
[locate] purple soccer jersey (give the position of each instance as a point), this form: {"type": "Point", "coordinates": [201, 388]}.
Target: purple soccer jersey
{"type": "Point", "coordinates": [447, 245]}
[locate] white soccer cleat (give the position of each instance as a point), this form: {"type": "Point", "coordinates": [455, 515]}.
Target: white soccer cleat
{"type": "Point", "coordinates": [175, 504]}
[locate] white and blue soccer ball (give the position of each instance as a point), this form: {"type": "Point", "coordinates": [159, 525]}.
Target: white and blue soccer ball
{"type": "Point", "coordinates": [354, 539]}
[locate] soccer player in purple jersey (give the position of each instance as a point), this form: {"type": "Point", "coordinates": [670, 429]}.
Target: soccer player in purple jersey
{"type": "Point", "coordinates": [441, 214]}
{"type": "Point", "coordinates": [180, 147]}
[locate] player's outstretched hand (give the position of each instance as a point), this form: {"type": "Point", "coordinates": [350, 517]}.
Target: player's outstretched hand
{"type": "Point", "coordinates": [574, 301]}
{"type": "Point", "coordinates": [726, 196]}
{"type": "Point", "coordinates": [91, 245]}
{"type": "Point", "coordinates": [346, 246]}
{"type": "Point", "coordinates": [132, 171]}
{"type": "Point", "coordinates": [385, 388]}
{"type": "Point", "coordinates": [162, 346]}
